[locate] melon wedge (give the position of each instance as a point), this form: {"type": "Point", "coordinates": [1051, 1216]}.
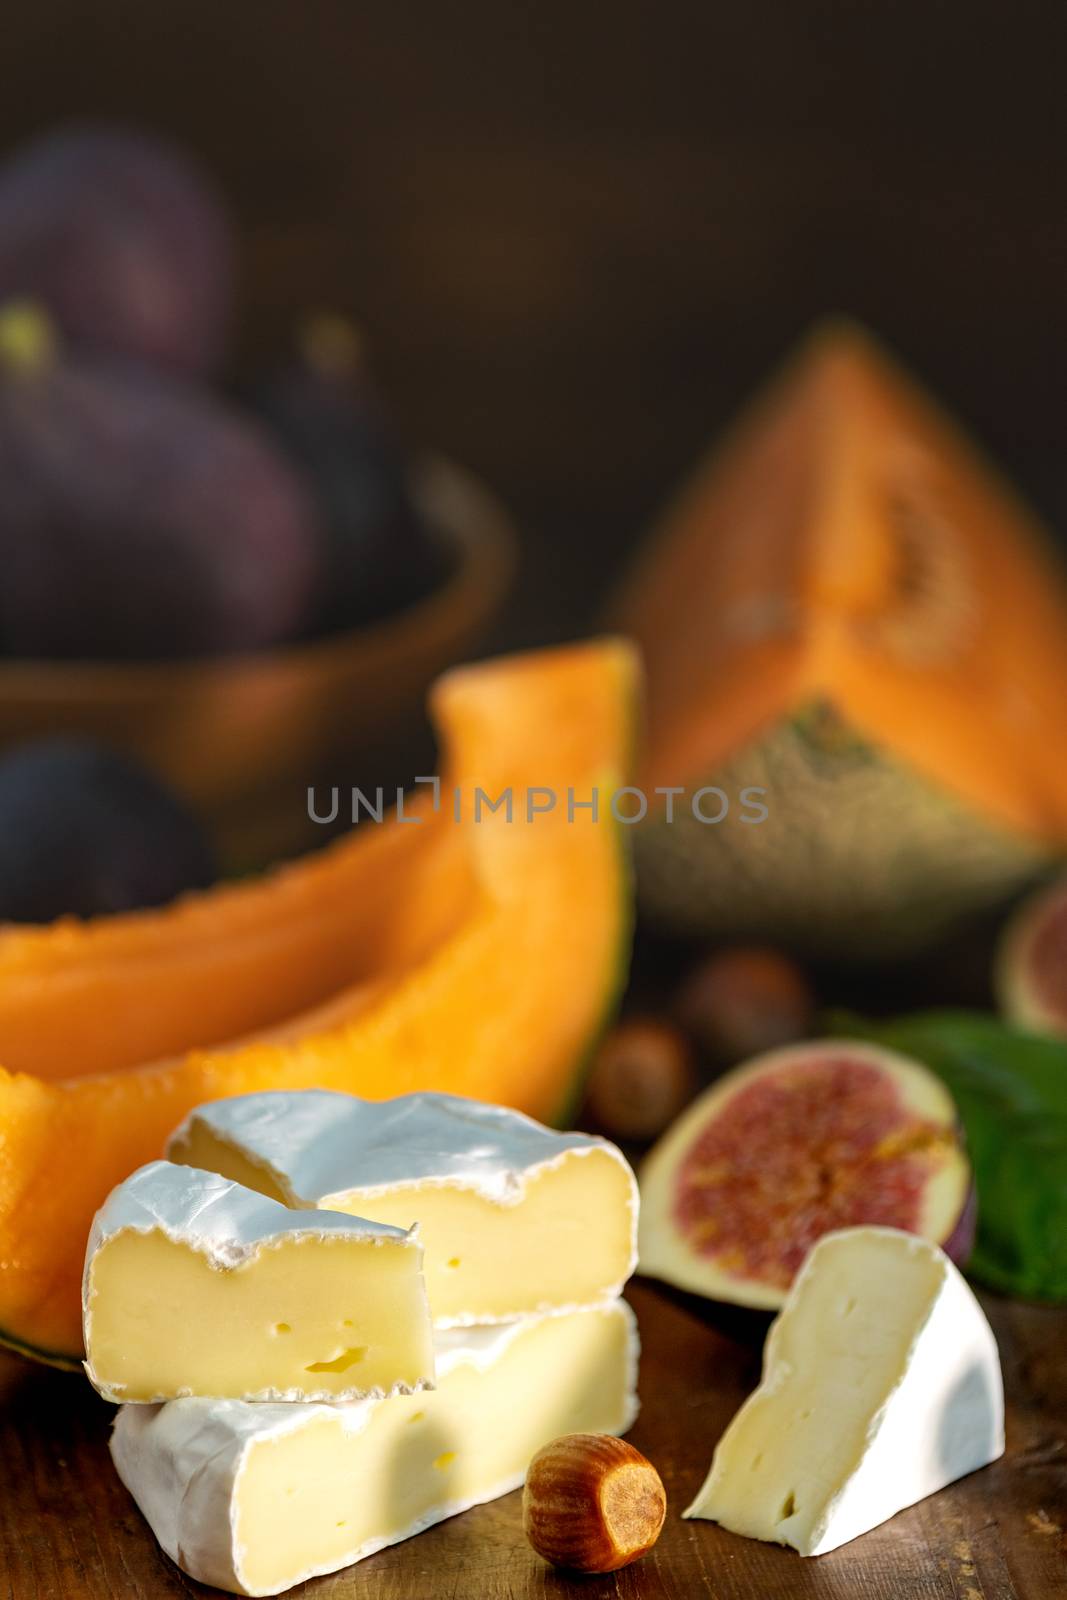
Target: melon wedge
{"type": "Point", "coordinates": [214, 967]}
{"type": "Point", "coordinates": [847, 610]}
{"type": "Point", "coordinates": [483, 956]}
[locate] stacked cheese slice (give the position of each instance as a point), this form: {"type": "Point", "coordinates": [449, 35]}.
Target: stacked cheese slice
{"type": "Point", "coordinates": [343, 1215]}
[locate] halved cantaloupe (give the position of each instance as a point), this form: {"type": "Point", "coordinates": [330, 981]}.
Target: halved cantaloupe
{"type": "Point", "coordinates": [482, 958]}
{"type": "Point", "coordinates": [848, 611]}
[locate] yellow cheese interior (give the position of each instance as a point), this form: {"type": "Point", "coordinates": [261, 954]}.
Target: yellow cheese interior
{"type": "Point", "coordinates": [839, 1349]}
{"type": "Point", "coordinates": [322, 1316]}
{"type": "Point", "coordinates": [565, 1243]}
{"type": "Point", "coordinates": [313, 1499]}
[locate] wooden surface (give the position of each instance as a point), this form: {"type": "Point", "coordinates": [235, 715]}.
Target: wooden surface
{"type": "Point", "coordinates": [69, 1531]}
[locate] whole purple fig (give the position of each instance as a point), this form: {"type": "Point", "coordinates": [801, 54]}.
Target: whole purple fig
{"type": "Point", "coordinates": [123, 241]}
{"type": "Point", "coordinates": [324, 410]}
{"type": "Point", "coordinates": [140, 517]}
{"type": "Point", "coordinates": [86, 831]}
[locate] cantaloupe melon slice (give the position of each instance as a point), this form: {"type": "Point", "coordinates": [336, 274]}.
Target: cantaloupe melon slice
{"type": "Point", "coordinates": [849, 611]}
{"type": "Point", "coordinates": [497, 994]}
{"type": "Point", "coordinates": [214, 967]}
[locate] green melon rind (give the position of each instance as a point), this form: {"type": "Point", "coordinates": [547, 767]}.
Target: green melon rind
{"type": "Point", "coordinates": [860, 856]}
{"type": "Point", "coordinates": [49, 1358]}
{"type": "Point", "coordinates": [616, 987]}
{"type": "Point", "coordinates": [626, 906]}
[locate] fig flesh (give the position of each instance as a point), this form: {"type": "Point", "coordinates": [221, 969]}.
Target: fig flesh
{"type": "Point", "coordinates": [140, 518]}
{"type": "Point", "coordinates": [1031, 963]}
{"type": "Point", "coordinates": [124, 242]}
{"type": "Point", "coordinates": [797, 1143]}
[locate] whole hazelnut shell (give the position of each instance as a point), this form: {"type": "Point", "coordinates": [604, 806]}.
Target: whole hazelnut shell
{"type": "Point", "coordinates": [592, 1503]}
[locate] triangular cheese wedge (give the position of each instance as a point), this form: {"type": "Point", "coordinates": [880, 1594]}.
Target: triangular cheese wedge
{"type": "Point", "coordinates": [881, 1384]}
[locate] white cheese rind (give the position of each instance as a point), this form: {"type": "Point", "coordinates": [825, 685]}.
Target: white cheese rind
{"type": "Point", "coordinates": [316, 1143]}
{"type": "Point", "coordinates": [229, 1226]}
{"type": "Point", "coordinates": [319, 1148]}
{"type": "Point", "coordinates": [225, 1222]}
{"type": "Point", "coordinates": [881, 1384]}
{"type": "Point", "coordinates": [183, 1461]}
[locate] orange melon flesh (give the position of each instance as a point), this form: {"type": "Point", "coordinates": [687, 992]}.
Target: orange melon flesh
{"type": "Point", "coordinates": [846, 546]}
{"type": "Point", "coordinates": [215, 966]}
{"type": "Point", "coordinates": [502, 1006]}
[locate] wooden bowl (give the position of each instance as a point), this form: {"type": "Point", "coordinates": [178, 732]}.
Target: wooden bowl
{"type": "Point", "coordinates": [243, 737]}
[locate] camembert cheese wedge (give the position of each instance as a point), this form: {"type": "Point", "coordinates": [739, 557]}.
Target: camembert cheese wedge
{"type": "Point", "coordinates": [254, 1499]}
{"type": "Point", "coordinates": [881, 1384]}
{"type": "Point", "coordinates": [513, 1217]}
{"type": "Point", "coordinates": [194, 1285]}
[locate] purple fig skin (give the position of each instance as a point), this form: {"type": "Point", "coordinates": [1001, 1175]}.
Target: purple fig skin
{"type": "Point", "coordinates": [326, 416]}
{"type": "Point", "coordinates": [1029, 964]}
{"type": "Point", "coordinates": [960, 1242]}
{"type": "Point", "coordinates": [944, 1213]}
{"type": "Point", "coordinates": [85, 831]}
{"type": "Point", "coordinates": [143, 519]}
{"type": "Point", "coordinates": [126, 245]}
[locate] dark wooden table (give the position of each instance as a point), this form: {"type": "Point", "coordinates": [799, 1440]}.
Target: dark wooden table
{"type": "Point", "coordinates": [69, 1531]}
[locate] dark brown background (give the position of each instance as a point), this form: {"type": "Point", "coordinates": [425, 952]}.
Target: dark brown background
{"type": "Point", "coordinates": [579, 233]}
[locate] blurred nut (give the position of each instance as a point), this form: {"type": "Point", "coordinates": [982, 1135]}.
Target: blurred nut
{"type": "Point", "coordinates": [739, 1003]}
{"type": "Point", "coordinates": [642, 1076]}
{"type": "Point", "coordinates": [592, 1503]}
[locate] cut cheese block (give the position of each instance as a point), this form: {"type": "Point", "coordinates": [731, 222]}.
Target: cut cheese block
{"type": "Point", "coordinates": [881, 1384]}
{"type": "Point", "coordinates": [256, 1498]}
{"type": "Point", "coordinates": [513, 1217]}
{"type": "Point", "coordinates": [196, 1286]}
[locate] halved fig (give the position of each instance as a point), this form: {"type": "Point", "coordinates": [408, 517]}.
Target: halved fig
{"type": "Point", "coordinates": [816, 1136]}
{"type": "Point", "coordinates": [1031, 965]}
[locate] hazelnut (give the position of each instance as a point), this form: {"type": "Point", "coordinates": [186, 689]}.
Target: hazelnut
{"type": "Point", "coordinates": [642, 1076]}
{"type": "Point", "coordinates": [592, 1503]}
{"type": "Point", "coordinates": [741, 1002]}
